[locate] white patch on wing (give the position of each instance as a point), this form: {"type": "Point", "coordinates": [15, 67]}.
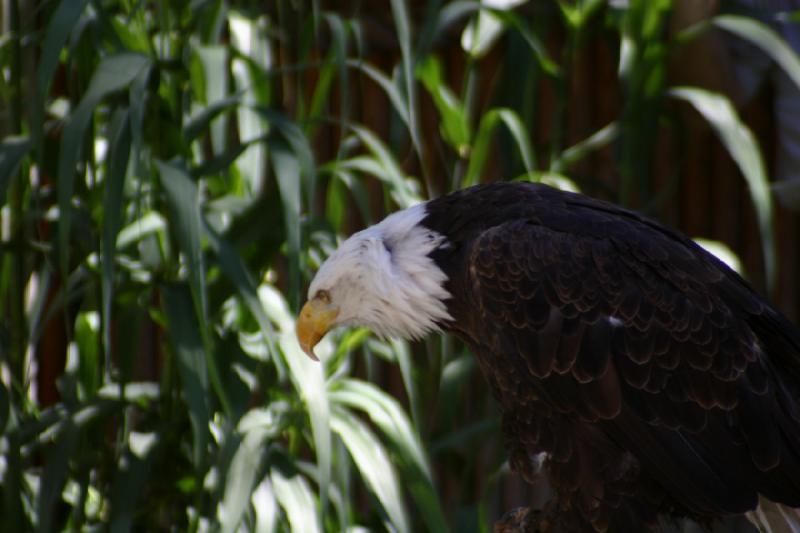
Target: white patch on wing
{"type": "Point", "coordinates": [614, 321]}
{"type": "Point", "coordinates": [383, 278]}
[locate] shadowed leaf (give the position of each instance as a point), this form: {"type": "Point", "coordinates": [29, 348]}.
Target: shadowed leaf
{"type": "Point", "coordinates": [12, 150]}
{"type": "Point", "coordinates": [743, 148]}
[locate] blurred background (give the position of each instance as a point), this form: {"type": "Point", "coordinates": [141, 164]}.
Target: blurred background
{"type": "Point", "coordinates": [172, 173]}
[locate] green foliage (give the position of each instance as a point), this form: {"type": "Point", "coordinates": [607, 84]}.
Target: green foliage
{"type": "Point", "coordinates": [166, 198]}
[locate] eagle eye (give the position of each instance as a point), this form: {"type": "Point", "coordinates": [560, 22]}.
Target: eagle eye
{"type": "Point", "coordinates": [323, 295]}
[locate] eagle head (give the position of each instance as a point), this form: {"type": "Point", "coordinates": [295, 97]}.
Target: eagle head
{"type": "Point", "coordinates": [383, 278]}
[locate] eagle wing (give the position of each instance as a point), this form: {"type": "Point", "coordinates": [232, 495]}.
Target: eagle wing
{"type": "Point", "coordinates": [612, 321]}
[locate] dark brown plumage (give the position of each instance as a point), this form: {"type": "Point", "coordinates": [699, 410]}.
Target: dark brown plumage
{"type": "Point", "coordinates": [655, 378]}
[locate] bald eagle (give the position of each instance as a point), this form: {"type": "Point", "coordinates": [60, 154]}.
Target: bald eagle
{"type": "Point", "coordinates": [654, 378]}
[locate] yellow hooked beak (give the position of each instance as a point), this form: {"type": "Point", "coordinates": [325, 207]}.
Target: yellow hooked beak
{"type": "Point", "coordinates": [316, 318]}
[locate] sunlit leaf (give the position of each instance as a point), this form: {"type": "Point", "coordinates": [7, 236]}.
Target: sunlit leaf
{"type": "Point", "coordinates": [241, 475]}
{"type": "Point", "coordinates": [308, 379]}
{"type": "Point", "coordinates": [296, 499]}
{"type": "Point", "coordinates": [213, 59]}
{"type": "Point", "coordinates": [386, 413]}
{"type": "Point", "coordinates": [265, 507]}
{"type": "Point", "coordinates": [722, 252]}
{"type": "Point", "coordinates": [87, 330]}
{"type": "Point", "coordinates": [374, 465]}
{"type": "Point", "coordinates": [454, 126]}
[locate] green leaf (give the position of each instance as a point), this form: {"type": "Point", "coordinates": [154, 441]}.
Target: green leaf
{"type": "Point", "coordinates": [287, 173]}
{"type": "Point", "coordinates": [539, 50]}
{"type": "Point", "coordinates": [387, 169]}
{"type": "Point", "coordinates": [297, 501]}
{"type": "Point", "coordinates": [55, 472]}
{"type": "Point", "coordinates": [765, 38]}
{"type": "Point", "coordinates": [454, 126]}
{"type": "Point", "coordinates": [240, 480]}
{"type": "Point", "coordinates": [198, 122]}
{"type": "Point", "coordinates": [87, 332]}
{"type": "Point", "coordinates": [214, 62]}
{"type": "Point", "coordinates": [257, 426]}
{"type": "Point", "coordinates": [59, 28]}
{"type": "Point", "coordinates": [184, 203]}
{"type": "Point", "coordinates": [388, 85]}
{"type": "Point", "coordinates": [236, 271]}
{"type": "Point", "coordinates": [744, 149]}
{"type": "Point", "coordinates": [481, 144]}
{"type": "Point", "coordinates": [374, 465]}
{"type": "Point", "coordinates": [721, 251]}
{"type": "Point", "coordinates": [308, 379]}
{"type": "Point", "coordinates": [186, 219]}
{"type": "Point", "coordinates": [149, 223]}
{"type": "Point", "coordinates": [131, 480]}
{"type": "Point", "coordinates": [185, 338]}
{"type": "Point", "coordinates": [112, 74]}
{"type": "Point", "coordinates": [265, 507]}
{"type": "Point", "coordinates": [577, 152]}
{"type": "Point", "coordinates": [5, 407]}
{"type": "Point", "coordinates": [12, 150]}
{"type": "Point", "coordinates": [387, 414]}
{"type": "Point", "coordinates": [112, 212]}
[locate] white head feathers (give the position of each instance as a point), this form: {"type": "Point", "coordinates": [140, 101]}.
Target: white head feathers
{"type": "Point", "coordinates": [382, 277]}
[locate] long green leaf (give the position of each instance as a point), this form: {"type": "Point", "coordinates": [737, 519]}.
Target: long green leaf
{"type": "Point", "coordinates": [214, 61]}
{"type": "Point", "coordinates": [236, 271]}
{"type": "Point", "coordinates": [481, 144]}
{"type": "Point", "coordinates": [132, 477]}
{"type": "Point", "coordinates": [287, 172]}
{"type": "Point", "coordinates": [265, 506]}
{"type": "Point", "coordinates": [112, 74]}
{"type": "Point", "coordinates": [61, 24]}
{"type": "Point", "coordinates": [388, 85]}
{"type": "Point", "coordinates": [744, 149]}
{"type": "Point", "coordinates": [308, 379]}
{"type": "Point", "coordinates": [454, 125]}
{"type": "Point", "coordinates": [55, 472]}
{"type": "Point", "coordinates": [112, 212]}
{"type": "Point", "coordinates": [186, 341]}
{"type": "Point", "coordinates": [387, 414]}
{"type": "Point", "coordinates": [12, 150]}
{"type": "Point", "coordinates": [198, 122]}
{"type": "Point", "coordinates": [402, 189]}
{"type": "Point", "coordinates": [374, 465]}
{"type": "Point", "coordinates": [241, 478]}
{"type": "Point", "coordinates": [575, 153]}
{"type": "Point", "coordinates": [184, 204]}
{"type": "Point", "coordinates": [402, 24]}
{"type": "Point", "coordinates": [765, 38]}
{"type": "Point", "coordinates": [297, 501]}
